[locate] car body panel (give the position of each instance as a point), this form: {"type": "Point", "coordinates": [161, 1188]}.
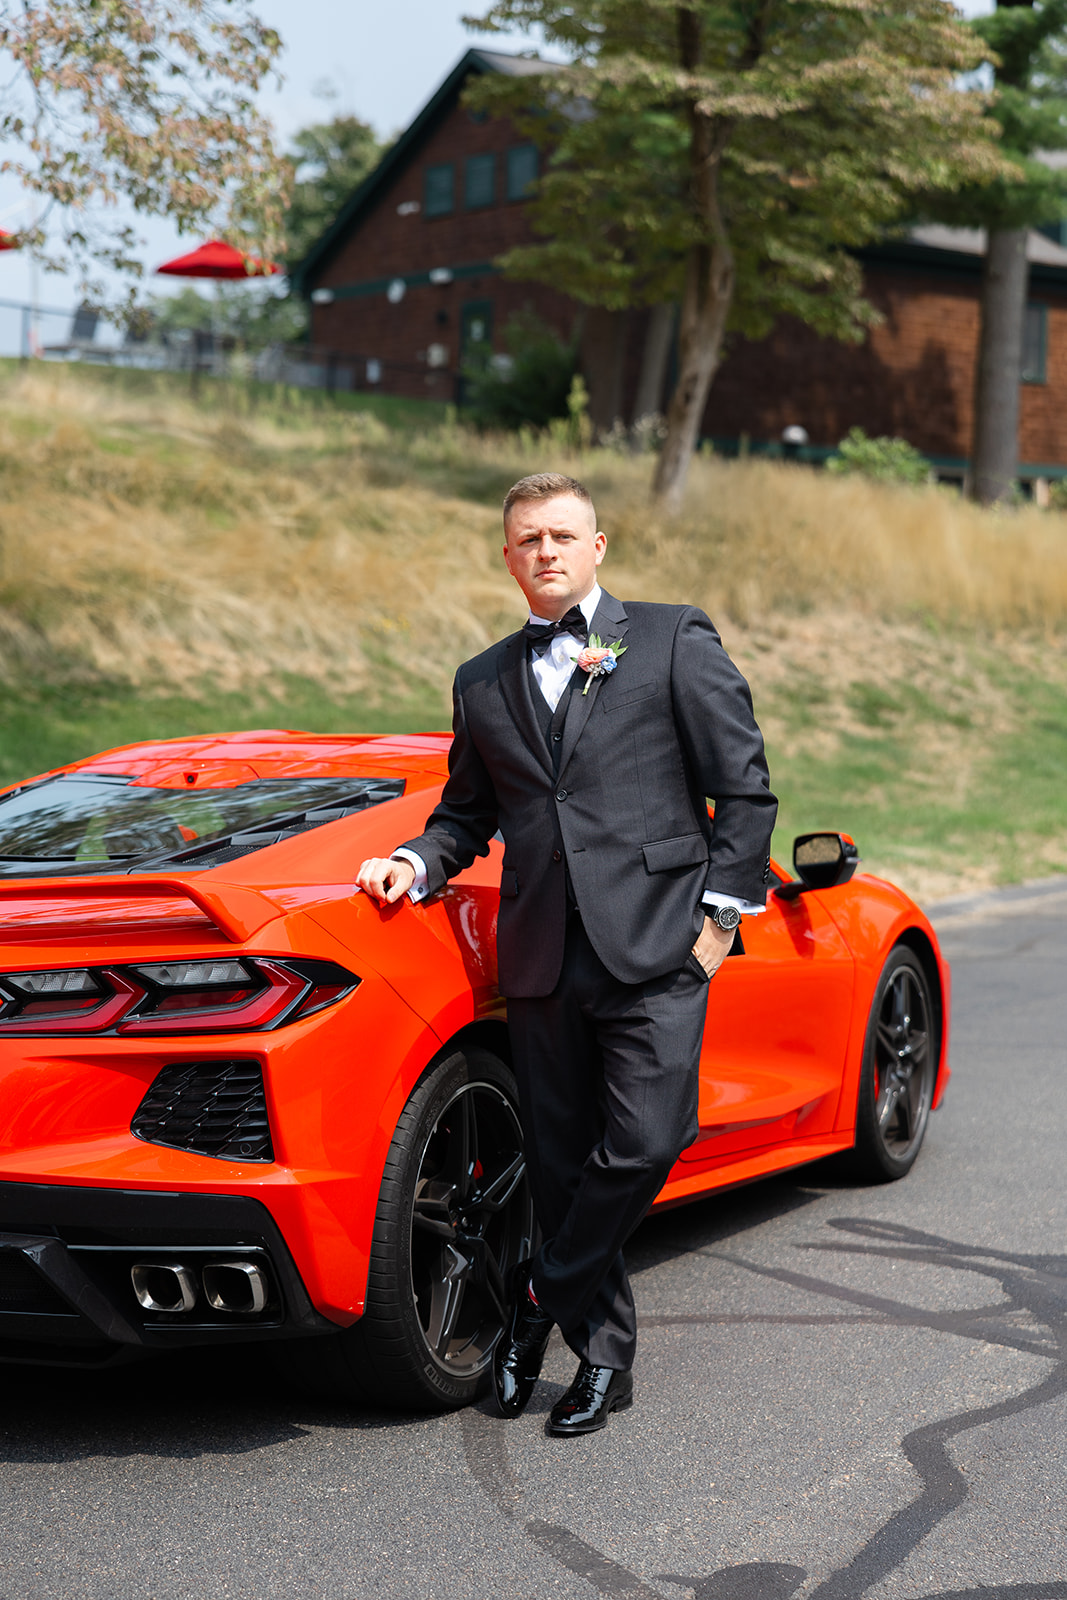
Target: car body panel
{"type": "Point", "coordinates": [779, 1070]}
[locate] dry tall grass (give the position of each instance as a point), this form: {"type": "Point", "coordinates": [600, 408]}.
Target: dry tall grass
{"type": "Point", "coordinates": [907, 652]}
{"type": "Point", "coordinates": [143, 540]}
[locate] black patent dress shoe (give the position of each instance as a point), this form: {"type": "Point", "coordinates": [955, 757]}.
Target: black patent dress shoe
{"type": "Point", "coordinates": [595, 1393]}
{"type": "Point", "coordinates": [521, 1350]}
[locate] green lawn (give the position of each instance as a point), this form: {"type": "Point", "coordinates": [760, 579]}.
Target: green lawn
{"type": "Point", "coordinates": [887, 785]}
{"type": "Point", "coordinates": [47, 728]}
{"type": "Point", "coordinates": [932, 792]}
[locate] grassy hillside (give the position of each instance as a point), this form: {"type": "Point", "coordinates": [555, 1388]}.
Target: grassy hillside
{"type": "Point", "coordinates": [246, 562]}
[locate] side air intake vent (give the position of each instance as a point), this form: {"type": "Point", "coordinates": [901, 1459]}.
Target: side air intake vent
{"type": "Point", "coordinates": [213, 1108]}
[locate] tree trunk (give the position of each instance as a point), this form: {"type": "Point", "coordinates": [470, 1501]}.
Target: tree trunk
{"type": "Point", "coordinates": [709, 288]}
{"type": "Point", "coordinates": [648, 401]}
{"type": "Point", "coordinates": [995, 443]}
{"type": "Point", "coordinates": [602, 353]}
{"type": "Point", "coordinates": [709, 281]}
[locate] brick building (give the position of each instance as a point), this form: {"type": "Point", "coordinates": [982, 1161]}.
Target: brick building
{"type": "Point", "coordinates": [405, 281]}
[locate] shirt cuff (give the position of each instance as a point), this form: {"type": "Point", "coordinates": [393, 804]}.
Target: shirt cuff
{"type": "Point", "coordinates": [711, 897]}
{"type": "Point", "coordinates": [420, 887]}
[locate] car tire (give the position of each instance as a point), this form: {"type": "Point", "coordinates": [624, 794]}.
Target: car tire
{"type": "Point", "coordinates": [454, 1217]}
{"type": "Point", "coordinates": [900, 1057]}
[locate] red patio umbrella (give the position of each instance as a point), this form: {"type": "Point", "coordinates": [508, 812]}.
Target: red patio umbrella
{"type": "Point", "coordinates": [218, 260]}
{"type": "Point", "coordinates": [7, 240]}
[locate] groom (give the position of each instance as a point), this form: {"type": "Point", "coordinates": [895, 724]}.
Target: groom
{"type": "Point", "coordinates": [590, 739]}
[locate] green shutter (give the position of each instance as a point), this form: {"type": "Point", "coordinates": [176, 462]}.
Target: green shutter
{"type": "Point", "coordinates": [479, 187]}
{"type": "Point", "coordinates": [439, 190]}
{"type": "Point", "coordinates": [522, 170]}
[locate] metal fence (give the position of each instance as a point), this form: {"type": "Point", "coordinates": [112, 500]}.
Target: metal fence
{"type": "Point", "coordinates": [50, 334]}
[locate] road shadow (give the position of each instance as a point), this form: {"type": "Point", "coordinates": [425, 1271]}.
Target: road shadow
{"type": "Point", "coordinates": [183, 1406]}
{"type": "Point", "coordinates": [1029, 1313]}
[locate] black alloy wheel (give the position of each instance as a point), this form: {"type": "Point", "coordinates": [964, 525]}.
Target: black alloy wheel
{"type": "Point", "coordinates": [899, 1070]}
{"type": "Point", "coordinates": [454, 1217]}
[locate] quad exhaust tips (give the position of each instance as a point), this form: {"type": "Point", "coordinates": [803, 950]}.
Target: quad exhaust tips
{"type": "Point", "coordinates": [240, 1288]}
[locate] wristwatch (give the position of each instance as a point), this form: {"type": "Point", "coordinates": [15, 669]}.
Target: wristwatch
{"type": "Point", "coordinates": [724, 917]}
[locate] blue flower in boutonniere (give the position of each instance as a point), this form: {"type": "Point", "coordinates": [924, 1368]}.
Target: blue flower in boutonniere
{"type": "Point", "coordinates": [598, 658]}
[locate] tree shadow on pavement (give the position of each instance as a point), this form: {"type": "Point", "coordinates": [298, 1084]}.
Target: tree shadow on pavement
{"type": "Point", "coordinates": [1029, 1314]}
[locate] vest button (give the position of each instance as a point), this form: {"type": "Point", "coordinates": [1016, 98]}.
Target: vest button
{"type": "Point", "coordinates": [561, 794]}
{"type": "Point", "coordinates": [557, 737]}
{"type": "Point", "coordinates": [557, 855]}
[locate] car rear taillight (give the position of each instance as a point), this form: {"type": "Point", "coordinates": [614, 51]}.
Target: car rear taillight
{"type": "Point", "coordinates": [216, 995]}
{"type": "Point", "coordinates": [187, 995]}
{"type": "Point", "coordinates": [81, 1001]}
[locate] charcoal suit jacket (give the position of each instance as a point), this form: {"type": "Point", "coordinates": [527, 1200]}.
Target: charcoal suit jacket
{"type": "Point", "coordinates": [623, 814]}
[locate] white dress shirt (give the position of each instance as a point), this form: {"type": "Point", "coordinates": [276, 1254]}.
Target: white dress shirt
{"type": "Point", "coordinates": [552, 668]}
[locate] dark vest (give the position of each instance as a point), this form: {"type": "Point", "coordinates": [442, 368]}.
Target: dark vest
{"type": "Point", "coordinates": [552, 724]}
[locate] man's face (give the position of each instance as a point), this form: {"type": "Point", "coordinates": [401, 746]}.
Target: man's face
{"type": "Point", "coordinates": [552, 549]}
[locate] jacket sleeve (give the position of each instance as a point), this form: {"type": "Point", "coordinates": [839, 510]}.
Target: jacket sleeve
{"type": "Point", "coordinates": [465, 819]}
{"type": "Point", "coordinates": [717, 726]}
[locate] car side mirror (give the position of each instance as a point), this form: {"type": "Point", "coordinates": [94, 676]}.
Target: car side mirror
{"type": "Point", "coordinates": [820, 861]}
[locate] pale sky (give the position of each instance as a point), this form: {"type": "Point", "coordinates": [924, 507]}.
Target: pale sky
{"type": "Point", "coordinates": [381, 61]}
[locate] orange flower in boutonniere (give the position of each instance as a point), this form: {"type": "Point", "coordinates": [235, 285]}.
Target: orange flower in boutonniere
{"type": "Point", "coordinates": [598, 658]}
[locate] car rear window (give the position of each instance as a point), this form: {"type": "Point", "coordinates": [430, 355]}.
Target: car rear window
{"type": "Point", "coordinates": [87, 823]}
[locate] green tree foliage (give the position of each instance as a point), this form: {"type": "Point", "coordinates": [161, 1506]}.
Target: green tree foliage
{"type": "Point", "coordinates": [328, 161]}
{"type": "Point", "coordinates": [529, 386]}
{"type": "Point", "coordinates": [727, 154]}
{"type": "Point", "coordinates": [1027, 43]}
{"type": "Point", "coordinates": [150, 103]}
{"type": "Point", "coordinates": [254, 314]}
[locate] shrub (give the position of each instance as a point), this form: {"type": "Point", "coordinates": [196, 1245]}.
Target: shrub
{"type": "Point", "coordinates": [527, 387]}
{"type": "Point", "coordinates": [885, 460]}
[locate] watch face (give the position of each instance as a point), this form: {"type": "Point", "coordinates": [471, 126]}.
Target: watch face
{"type": "Point", "coordinates": [727, 917]}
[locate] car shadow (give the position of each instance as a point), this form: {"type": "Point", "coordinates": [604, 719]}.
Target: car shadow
{"type": "Point", "coordinates": [219, 1401]}
{"type": "Point", "coordinates": [202, 1403]}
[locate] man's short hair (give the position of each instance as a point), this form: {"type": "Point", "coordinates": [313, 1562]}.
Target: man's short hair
{"type": "Point", "coordinates": [544, 486]}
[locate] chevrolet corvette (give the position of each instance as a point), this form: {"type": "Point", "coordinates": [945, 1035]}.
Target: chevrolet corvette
{"type": "Point", "coordinates": [240, 1102]}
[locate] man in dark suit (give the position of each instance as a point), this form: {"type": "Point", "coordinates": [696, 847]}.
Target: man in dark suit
{"type": "Point", "coordinates": [619, 899]}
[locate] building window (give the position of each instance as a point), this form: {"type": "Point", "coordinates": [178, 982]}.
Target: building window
{"type": "Point", "coordinates": [479, 182]}
{"type": "Point", "coordinates": [1035, 343]}
{"type": "Point", "coordinates": [439, 195]}
{"type": "Point", "coordinates": [522, 170]}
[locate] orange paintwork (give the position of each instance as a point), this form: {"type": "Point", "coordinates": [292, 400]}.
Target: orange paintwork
{"type": "Point", "coordinates": [779, 1072]}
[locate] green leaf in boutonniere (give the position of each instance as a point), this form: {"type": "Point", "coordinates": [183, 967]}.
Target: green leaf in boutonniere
{"type": "Point", "coordinates": [598, 658]}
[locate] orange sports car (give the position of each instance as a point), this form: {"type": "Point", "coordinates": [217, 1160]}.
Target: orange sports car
{"type": "Point", "coordinates": [240, 1102]}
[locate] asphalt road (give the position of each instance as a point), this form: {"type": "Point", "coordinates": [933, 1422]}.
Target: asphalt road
{"type": "Point", "coordinates": [841, 1392]}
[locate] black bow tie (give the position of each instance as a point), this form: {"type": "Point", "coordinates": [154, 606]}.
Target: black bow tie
{"type": "Point", "coordinates": [541, 634]}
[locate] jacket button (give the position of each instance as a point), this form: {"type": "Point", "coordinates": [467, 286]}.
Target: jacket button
{"type": "Point", "coordinates": [557, 855]}
{"type": "Point", "coordinates": [561, 794]}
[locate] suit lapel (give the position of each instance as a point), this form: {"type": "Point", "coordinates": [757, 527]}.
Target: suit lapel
{"type": "Point", "coordinates": [610, 622]}
{"type": "Point", "coordinates": [518, 697]}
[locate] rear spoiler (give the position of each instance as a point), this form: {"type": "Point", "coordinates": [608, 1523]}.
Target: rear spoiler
{"type": "Point", "coordinates": [54, 909]}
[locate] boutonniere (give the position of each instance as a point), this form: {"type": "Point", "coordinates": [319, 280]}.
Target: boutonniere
{"type": "Point", "coordinates": [598, 658]}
